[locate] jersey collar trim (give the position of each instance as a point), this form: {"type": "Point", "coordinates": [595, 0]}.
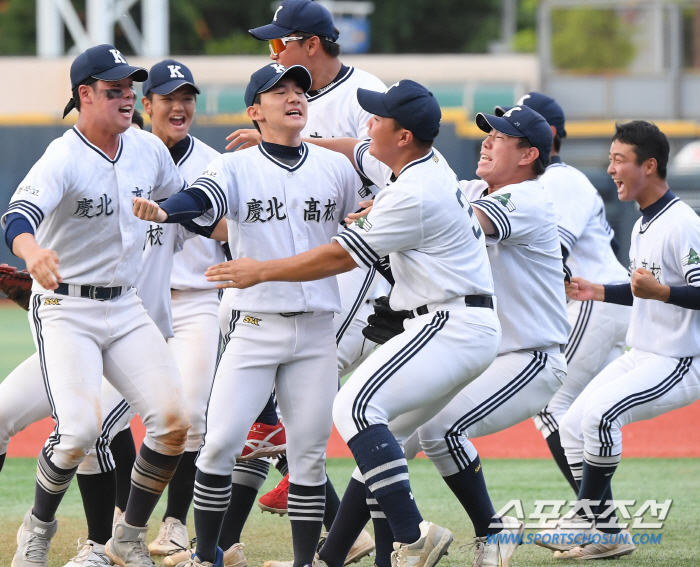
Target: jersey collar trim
{"type": "Point", "coordinates": [305, 153]}
{"type": "Point", "coordinates": [98, 150]}
{"type": "Point", "coordinates": [180, 154]}
{"type": "Point", "coordinates": [654, 211]}
{"type": "Point", "coordinates": [332, 85]}
{"type": "Point", "coordinates": [416, 162]}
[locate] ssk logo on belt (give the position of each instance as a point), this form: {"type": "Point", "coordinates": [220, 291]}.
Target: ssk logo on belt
{"type": "Point", "coordinates": [252, 320]}
{"type": "Point", "coordinates": [52, 301]}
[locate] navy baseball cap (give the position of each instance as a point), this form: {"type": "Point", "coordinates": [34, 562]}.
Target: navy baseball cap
{"type": "Point", "coordinates": [520, 122]}
{"type": "Point", "coordinates": [102, 62]}
{"type": "Point", "coordinates": [409, 103]}
{"type": "Point", "coordinates": [168, 76]}
{"type": "Point", "coordinates": [544, 105]}
{"type": "Point", "coordinates": [298, 15]}
{"type": "Point", "coordinates": [267, 77]}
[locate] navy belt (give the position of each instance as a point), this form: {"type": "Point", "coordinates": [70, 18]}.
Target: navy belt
{"type": "Point", "coordinates": [469, 301]}
{"type": "Point", "coordinates": [92, 292]}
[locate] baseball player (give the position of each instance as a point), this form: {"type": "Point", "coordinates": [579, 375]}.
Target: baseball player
{"type": "Point", "coordinates": [422, 220]}
{"type": "Point", "coordinates": [597, 329]}
{"type": "Point", "coordinates": [86, 318]}
{"type": "Point", "coordinates": [521, 238]}
{"type": "Point", "coordinates": [303, 33]}
{"type": "Point", "coordinates": [658, 374]}
{"type": "Point", "coordinates": [284, 196]}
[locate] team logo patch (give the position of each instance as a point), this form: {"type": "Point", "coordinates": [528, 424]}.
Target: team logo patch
{"type": "Point", "coordinates": [691, 258]}
{"type": "Point", "coordinates": [252, 320]}
{"type": "Point", "coordinates": [52, 301]}
{"type": "Point", "coordinates": [363, 223]}
{"type": "Point", "coordinates": [505, 201]}
{"type": "Point", "coordinates": [436, 159]}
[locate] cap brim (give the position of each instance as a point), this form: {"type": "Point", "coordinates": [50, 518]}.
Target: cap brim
{"type": "Point", "coordinates": [488, 122]}
{"type": "Point", "coordinates": [297, 72]}
{"type": "Point", "coordinates": [270, 31]}
{"type": "Point", "coordinates": [372, 102]}
{"type": "Point", "coordinates": [172, 86]}
{"type": "Point", "coordinates": [139, 74]}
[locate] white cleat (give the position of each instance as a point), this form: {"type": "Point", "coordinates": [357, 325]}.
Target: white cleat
{"type": "Point", "coordinates": [427, 551]}
{"type": "Point", "coordinates": [363, 546]}
{"type": "Point", "coordinates": [90, 554]}
{"type": "Point", "coordinates": [496, 550]}
{"type": "Point", "coordinates": [566, 535]}
{"type": "Point", "coordinates": [118, 517]}
{"type": "Point", "coordinates": [233, 557]}
{"type": "Point", "coordinates": [172, 537]}
{"type": "Point", "coordinates": [33, 541]}
{"type": "Point", "coordinates": [601, 546]}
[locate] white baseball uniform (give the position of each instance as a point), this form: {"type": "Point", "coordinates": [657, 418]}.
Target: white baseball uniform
{"type": "Point", "coordinates": [426, 225]}
{"type": "Point", "coordinates": [597, 329]}
{"type": "Point", "coordinates": [279, 333]}
{"type": "Point", "coordinates": [659, 373]}
{"type": "Point", "coordinates": [334, 112]}
{"type": "Point", "coordinates": [78, 201]}
{"type": "Point", "coordinates": [528, 276]}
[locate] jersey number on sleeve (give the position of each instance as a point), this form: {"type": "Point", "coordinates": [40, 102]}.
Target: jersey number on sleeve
{"type": "Point", "coordinates": [475, 229]}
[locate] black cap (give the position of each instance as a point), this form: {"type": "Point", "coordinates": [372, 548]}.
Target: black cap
{"type": "Point", "coordinates": [267, 77]}
{"type": "Point", "coordinates": [544, 105]}
{"type": "Point", "coordinates": [168, 76]}
{"type": "Point", "coordinates": [520, 122]}
{"type": "Point", "coordinates": [102, 62]}
{"type": "Point", "coordinates": [409, 103]}
{"type": "Point", "coordinates": [298, 15]}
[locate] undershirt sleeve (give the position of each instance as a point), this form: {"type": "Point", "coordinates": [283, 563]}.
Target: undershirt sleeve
{"type": "Point", "coordinates": [619, 293]}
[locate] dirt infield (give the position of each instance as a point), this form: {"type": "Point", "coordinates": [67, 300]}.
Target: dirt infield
{"type": "Point", "coordinates": [675, 434]}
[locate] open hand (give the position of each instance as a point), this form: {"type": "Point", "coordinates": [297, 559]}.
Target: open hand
{"type": "Point", "coordinates": [240, 274]}
{"type": "Point", "coordinates": [244, 138]}
{"type": "Point", "coordinates": [352, 217]}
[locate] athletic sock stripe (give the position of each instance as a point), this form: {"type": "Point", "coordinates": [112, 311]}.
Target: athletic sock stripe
{"type": "Point", "coordinates": [359, 300]}
{"type": "Point", "coordinates": [639, 398]}
{"type": "Point", "coordinates": [389, 368]}
{"type": "Point", "coordinates": [385, 467]}
{"type": "Point", "coordinates": [296, 497]}
{"type": "Point", "coordinates": [579, 330]}
{"type": "Point", "coordinates": [531, 370]}
{"type": "Point", "coordinates": [398, 478]}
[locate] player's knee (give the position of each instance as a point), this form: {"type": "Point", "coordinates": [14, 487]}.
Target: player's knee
{"type": "Point", "coordinates": [173, 439]}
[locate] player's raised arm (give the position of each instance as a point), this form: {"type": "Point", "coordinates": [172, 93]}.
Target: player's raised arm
{"type": "Point", "coordinates": [345, 146]}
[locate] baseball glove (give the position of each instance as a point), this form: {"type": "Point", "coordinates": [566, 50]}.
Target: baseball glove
{"type": "Point", "coordinates": [384, 323]}
{"type": "Point", "coordinates": [16, 284]}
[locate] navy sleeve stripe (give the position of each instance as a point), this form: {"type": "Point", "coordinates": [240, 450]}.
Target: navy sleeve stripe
{"type": "Point", "coordinates": [495, 214]}
{"type": "Point", "coordinates": [567, 238]}
{"type": "Point", "coordinates": [30, 210]}
{"type": "Point", "coordinates": [359, 155]}
{"type": "Point", "coordinates": [571, 235]}
{"type": "Point", "coordinates": [361, 242]}
{"type": "Point", "coordinates": [218, 196]}
{"type": "Point", "coordinates": [352, 247]}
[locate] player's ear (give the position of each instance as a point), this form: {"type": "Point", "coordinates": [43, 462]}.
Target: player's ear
{"type": "Point", "coordinates": [312, 45]}
{"type": "Point", "coordinates": [84, 93]}
{"type": "Point", "coordinates": [650, 166]}
{"type": "Point", "coordinates": [554, 130]}
{"type": "Point", "coordinates": [530, 155]}
{"type": "Point", "coordinates": [405, 138]}
{"type": "Point", "coordinates": [254, 113]}
{"type": "Point", "coordinates": [147, 105]}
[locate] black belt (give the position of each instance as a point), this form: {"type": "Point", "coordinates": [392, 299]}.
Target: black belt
{"type": "Point", "coordinates": [469, 301]}
{"type": "Point", "coordinates": [294, 313]}
{"type": "Point", "coordinates": [94, 292]}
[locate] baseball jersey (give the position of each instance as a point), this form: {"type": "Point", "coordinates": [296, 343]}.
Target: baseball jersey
{"type": "Point", "coordinates": [526, 262]}
{"type": "Point", "coordinates": [198, 253]}
{"type": "Point", "coordinates": [281, 211]}
{"type": "Point", "coordinates": [667, 245]}
{"type": "Point", "coordinates": [78, 201]}
{"type": "Point", "coordinates": [423, 221]}
{"type": "Point", "coordinates": [583, 229]}
{"type": "Point", "coordinates": [334, 111]}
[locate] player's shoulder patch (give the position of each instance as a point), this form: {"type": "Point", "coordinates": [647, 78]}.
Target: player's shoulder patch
{"type": "Point", "coordinates": [691, 258]}
{"type": "Point", "coordinates": [505, 200]}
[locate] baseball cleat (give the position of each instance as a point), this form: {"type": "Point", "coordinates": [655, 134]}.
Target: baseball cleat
{"type": "Point", "coordinates": [33, 541]}
{"type": "Point", "coordinates": [172, 536]}
{"type": "Point", "coordinates": [127, 547]}
{"type": "Point", "coordinates": [195, 561]}
{"type": "Point", "coordinates": [264, 441]}
{"type": "Point", "coordinates": [497, 549]}
{"type": "Point", "coordinates": [425, 552]}
{"type": "Point", "coordinates": [90, 554]}
{"type": "Point", "coordinates": [233, 557]}
{"type": "Point", "coordinates": [275, 501]}
{"type": "Point", "coordinates": [602, 546]}
{"type": "Point", "coordinates": [118, 517]}
{"type": "Point", "coordinates": [363, 546]}
{"type": "Point", "coordinates": [566, 535]}
{"type": "Point", "coordinates": [278, 563]}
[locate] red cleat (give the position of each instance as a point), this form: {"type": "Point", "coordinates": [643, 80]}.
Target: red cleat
{"type": "Point", "coordinates": [275, 501]}
{"type": "Point", "coordinates": [264, 441]}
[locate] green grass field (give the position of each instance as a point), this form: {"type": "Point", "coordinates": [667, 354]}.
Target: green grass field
{"type": "Point", "coordinates": [268, 537]}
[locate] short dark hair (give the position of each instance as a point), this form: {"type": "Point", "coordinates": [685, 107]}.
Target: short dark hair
{"type": "Point", "coordinates": [330, 47]}
{"type": "Point", "coordinates": [137, 119]}
{"type": "Point", "coordinates": [556, 142]}
{"type": "Point", "coordinates": [538, 165]}
{"type": "Point", "coordinates": [648, 142]}
{"type": "Point", "coordinates": [424, 145]}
